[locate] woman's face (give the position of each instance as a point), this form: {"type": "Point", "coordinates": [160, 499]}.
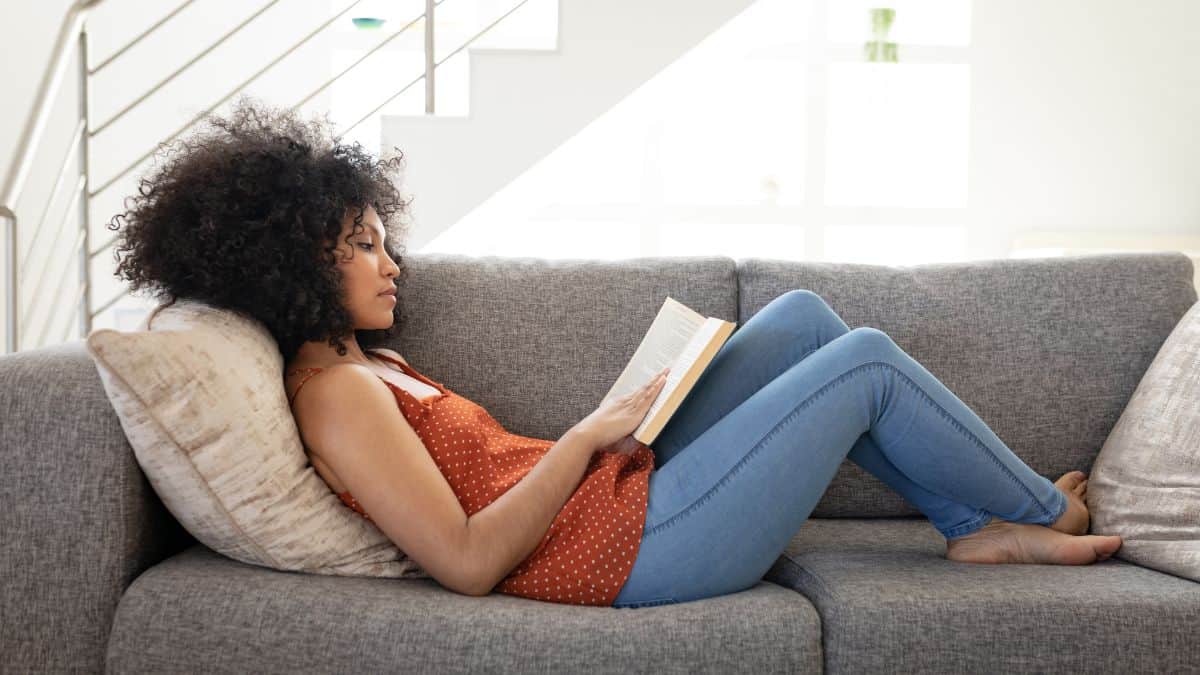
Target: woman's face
{"type": "Point", "coordinates": [367, 272]}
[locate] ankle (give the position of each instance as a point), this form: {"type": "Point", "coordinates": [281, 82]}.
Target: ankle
{"type": "Point", "coordinates": [991, 525]}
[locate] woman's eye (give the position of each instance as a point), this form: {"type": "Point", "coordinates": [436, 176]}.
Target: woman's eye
{"type": "Point", "coordinates": [369, 246]}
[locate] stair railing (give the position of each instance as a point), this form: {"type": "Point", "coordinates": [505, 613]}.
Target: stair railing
{"type": "Point", "coordinates": [72, 36]}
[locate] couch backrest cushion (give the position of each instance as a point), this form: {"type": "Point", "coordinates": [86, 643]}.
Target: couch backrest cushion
{"type": "Point", "coordinates": [538, 342]}
{"type": "Point", "coordinates": [1047, 351]}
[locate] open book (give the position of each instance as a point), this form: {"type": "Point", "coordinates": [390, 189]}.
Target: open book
{"type": "Point", "coordinates": [681, 339]}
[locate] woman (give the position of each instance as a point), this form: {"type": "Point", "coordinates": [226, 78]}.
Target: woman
{"type": "Point", "coordinates": [266, 215]}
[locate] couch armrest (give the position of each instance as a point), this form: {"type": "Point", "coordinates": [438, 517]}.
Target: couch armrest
{"type": "Point", "coordinates": [79, 519]}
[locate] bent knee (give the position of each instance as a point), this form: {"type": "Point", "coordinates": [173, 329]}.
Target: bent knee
{"type": "Point", "coordinates": [802, 305]}
{"type": "Point", "coordinates": [801, 297]}
{"type": "Point", "coordinates": [872, 340]}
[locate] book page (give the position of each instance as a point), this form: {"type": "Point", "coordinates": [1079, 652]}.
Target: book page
{"type": "Point", "coordinates": [687, 356]}
{"type": "Point", "coordinates": [664, 344]}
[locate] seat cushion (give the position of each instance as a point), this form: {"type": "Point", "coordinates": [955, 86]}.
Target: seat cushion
{"type": "Point", "coordinates": [890, 601]}
{"type": "Point", "coordinates": [210, 613]}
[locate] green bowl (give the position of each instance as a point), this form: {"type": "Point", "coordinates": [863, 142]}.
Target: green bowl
{"type": "Point", "coordinates": [367, 22]}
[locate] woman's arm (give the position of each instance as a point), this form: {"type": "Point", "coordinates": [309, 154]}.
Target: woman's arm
{"type": "Point", "coordinates": [506, 532]}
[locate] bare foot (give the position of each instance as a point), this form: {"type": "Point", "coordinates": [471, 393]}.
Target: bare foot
{"type": "Point", "coordinates": [1075, 519]}
{"type": "Point", "coordinates": [1003, 542]}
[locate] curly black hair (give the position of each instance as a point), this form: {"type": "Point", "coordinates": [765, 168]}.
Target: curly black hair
{"type": "Point", "coordinates": [245, 216]}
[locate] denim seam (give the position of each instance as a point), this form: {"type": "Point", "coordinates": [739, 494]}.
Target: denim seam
{"type": "Point", "coordinates": [967, 432]}
{"type": "Point", "coordinates": [791, 416]}
{"type": "Point", "coordinates": [968, 527]}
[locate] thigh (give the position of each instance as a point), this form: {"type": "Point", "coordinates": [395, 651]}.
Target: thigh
{"type": "Point", "coordinates": [785, 331]}
{"type": "Point", "coordinates": [721, 512]}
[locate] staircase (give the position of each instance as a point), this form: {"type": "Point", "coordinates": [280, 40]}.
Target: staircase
{"type": "Point", "coordinates": [524, 104]}
{"type": "Point", "coordinates": [199, 54]}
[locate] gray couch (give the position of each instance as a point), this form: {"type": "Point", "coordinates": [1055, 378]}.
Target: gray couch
{"type": "Point", "coordinates": [99, 576]}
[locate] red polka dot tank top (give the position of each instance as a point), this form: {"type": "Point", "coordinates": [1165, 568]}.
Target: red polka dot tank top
{"type": "Point", "coordinates": [586, 555]}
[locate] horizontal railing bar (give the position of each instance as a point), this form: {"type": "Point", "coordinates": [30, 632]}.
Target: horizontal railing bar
{"type": "Point", "coordinates": [374, 49]}
{"type": "Point", "coordinates": [422, 75]}
{"type": "Point", "coordinates": [35, 126]}
{"type": "Point", "coordinates": [218, 104]}
{"type": "Point", "coordinates": [381, 105]}
{"type": "Point", "coordinates": [11, 291]}
{"type": "Point", "coordinates": [163, 82]}
{"type": "Point", "coordinates": [102, 308]}
{"type": "Point", "coordinates": [480, 33]}
{"type": "Point", "coordinates": [111, 240]}
{"type": "Point", "coordinates": [138, 39]}
{"type": "Point", "coordinates": [58, 291]}
{"type": "Point", "coordinates": [78, 294]}
{"type": "Point", "coordinates": [58, 183]}
{"type": "Point", "coordinates": [79, 190]}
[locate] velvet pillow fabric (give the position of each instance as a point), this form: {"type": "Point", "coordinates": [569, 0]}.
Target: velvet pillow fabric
{"type": "Point", "coordinates": [1145, 483]}
{"type": "Point", "coordinates": [199, 393]}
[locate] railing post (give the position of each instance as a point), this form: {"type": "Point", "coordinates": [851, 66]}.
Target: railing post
{"type": "Point", "coordinates": [10, 263]}
{"type": "Point", "coordinates": [430, 65]}
{"type": "Point", "coordinates": [85, 268]}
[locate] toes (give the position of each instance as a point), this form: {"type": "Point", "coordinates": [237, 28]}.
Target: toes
{"type": "Point", "coordinates": [1071, 478]}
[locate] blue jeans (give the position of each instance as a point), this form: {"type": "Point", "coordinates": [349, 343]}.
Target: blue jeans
{"type": "Point", "coordinates": [794, 391]}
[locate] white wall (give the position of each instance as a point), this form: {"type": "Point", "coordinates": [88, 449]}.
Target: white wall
{"type": "Point", "coordinates": [1081, 119]}
{"type": "Point", "coordinates": [1084, 117]}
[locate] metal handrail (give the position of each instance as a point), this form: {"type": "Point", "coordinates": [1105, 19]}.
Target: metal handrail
{"type": "Point", "coordinates": [36, 125]}
{"type": "Point", "coordinates": [431, 4]}
{"type": "Point", "coordinates": [129, 45]}
{"type": "Point", "coordinates": [429, 70]}
{"type": "Point", "coordinates": [187, 125]}
{"type": "Point", "coordinates": [69, 37]}
{"type": "Point", "coordinates": [163, 82]}
{"type": "Point", "coordinates": [73, 35]}
{"type": "Point", "coordinates": [58, 183]}
{"type": "Point", "coordinates": [81, 186]}
{"type": "Point", "coordinates": [112, 240]}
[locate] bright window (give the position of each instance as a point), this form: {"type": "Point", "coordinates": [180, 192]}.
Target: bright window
{"type": "Point", "coordinates": [897, 135]}
{"type": "Point", "coordinates": [737, 241]}
{"type": "Point", "coordinates": [895, 244]}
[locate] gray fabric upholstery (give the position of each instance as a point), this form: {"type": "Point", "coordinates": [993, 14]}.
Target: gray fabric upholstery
{"type": "Point", "coordinates": [1046, 351]}
{"type": "Point", "coordinates": [78, 519]}
{"type": "Point", "coordinates": [891, 602]}
{"type": "Point", "coordinates": [538, 342]}
{"type": "Point", "coordinates": [202, 612]}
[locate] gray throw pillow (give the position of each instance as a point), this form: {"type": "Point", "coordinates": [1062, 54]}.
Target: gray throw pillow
{"type": "Point", "coordinates": [1145, 483]}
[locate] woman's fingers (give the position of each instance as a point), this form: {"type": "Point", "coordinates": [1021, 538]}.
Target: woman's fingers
{"type": "Point", "coordinates": [654, 386]}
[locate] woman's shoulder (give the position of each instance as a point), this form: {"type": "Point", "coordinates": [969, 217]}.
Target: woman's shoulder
{"type": "Point", "coordinates": [303, 367]}
{"type": "Point", "coordinates": [389, 352]}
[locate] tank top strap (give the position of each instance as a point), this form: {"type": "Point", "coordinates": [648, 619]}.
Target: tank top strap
{"type": "Point", "coordinates": [310, 371]}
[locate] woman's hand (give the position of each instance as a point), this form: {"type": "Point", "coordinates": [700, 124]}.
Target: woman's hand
{"type": "Point", "coordinates": [626, 446]}
{"type": "Point", "coordinates": [620, 416]}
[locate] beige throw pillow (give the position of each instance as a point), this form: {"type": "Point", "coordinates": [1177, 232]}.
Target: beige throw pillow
{"type": "Point", "coordinates": [200, 396]}
{"type": "Point", "coordinates": [1145, 483]}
